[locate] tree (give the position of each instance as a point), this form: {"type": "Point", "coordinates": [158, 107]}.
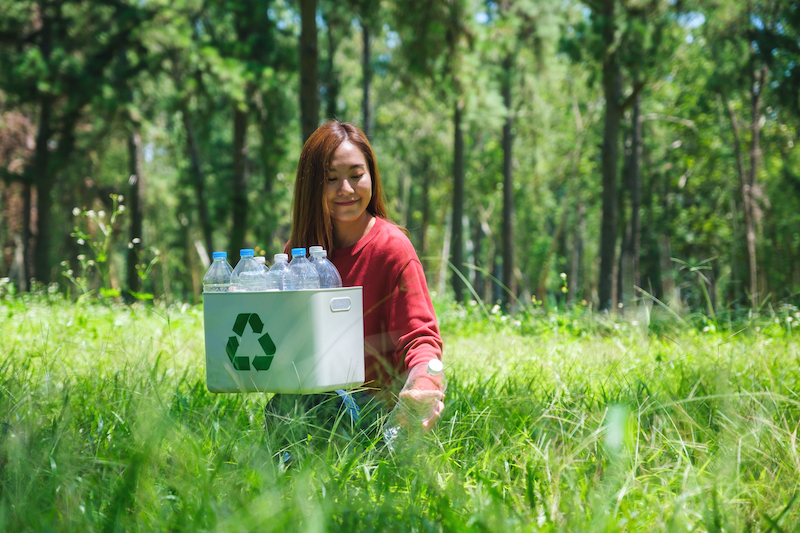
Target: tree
{"type": "Point", "coordinates": [309, 59]}
{"type": "Point", "coordinates": [44, 69]}
{"type": "Point", "coordinates": [434, 38]}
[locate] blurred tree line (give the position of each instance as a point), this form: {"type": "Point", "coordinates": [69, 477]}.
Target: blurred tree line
{"type": "Point", "coordinates": [591, 151]}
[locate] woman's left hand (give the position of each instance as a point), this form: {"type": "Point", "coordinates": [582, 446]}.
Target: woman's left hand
{"type": "Point", "coordinates": [428, 424]}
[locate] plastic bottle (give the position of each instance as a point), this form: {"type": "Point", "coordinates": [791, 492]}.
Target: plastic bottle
{"type": "Point", "coordinates": [218, 276]}
{"type": "Point", "coordinates": [261, 260]}
{"type": "Point", "coordinates": [424, 388]}
{"type": "Point", "coordinates": [328, 275]}
{"type": "Point", "coordinates": [248, 276]}
{"type": "Point", "coordinates": [280, 277]}
{"type": "Point", "coordinates": [306, 274]}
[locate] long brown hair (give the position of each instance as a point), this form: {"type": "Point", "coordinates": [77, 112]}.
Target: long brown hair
{"type": "Point", "coordinates": [311, 219]}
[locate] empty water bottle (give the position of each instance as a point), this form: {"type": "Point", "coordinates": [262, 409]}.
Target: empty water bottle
{"type": "Point", "coordinates": [248, 276]}
{"type": "Point", "coordinates": [218, 276]}
{"type": "Point", "coordinates": [328, 275]}
{"type": "Point", "coordinates": [307, 276]}
{"type": "Point", "coordinates": [424, 389]}
{"type": "Point", "coordinates": [280, 277]}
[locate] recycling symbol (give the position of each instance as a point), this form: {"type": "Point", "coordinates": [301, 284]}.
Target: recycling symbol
{"type": "Point", "coordinates": [261, 361]}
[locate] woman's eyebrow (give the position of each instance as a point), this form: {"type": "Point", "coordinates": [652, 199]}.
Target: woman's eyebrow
{"type": "Point", "coordinates": [359, 165]}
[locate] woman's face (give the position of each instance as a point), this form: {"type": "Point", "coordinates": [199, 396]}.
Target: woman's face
{"type": "Point", "coordinates": [348, 185]}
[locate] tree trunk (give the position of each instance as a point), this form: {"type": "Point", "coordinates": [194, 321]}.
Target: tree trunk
{"type": "Point", "coordinates": [135, 209]}
{"type": "Point", "coordinates": [366, 73]}
{"type": "Point", "coordinates": [44, 186]}
{"type": "Point", "coordinates": [41, 167]}
{"type": "Point", "coordinates": [477, 275]}
{"type": "Point", "coordinates": [198, 181]}
{"type": "Point", "coordinates": [426, 211]}
{"type": "Point", "coordinates": [577, 253]}
{"type": "Point", "coordinates": [756, 88]}
{"type": "Point", "coordinates": [239, 207]}
{"type": "Point", "coordinates": [629, 262]}
{"type": "Point", "coordinates": [508, 187]}
{"type": "Point", "coordinates": [612, 90]}
{"type": "Point", "coordinates": [669, 294]}
{"type": "Point", "coordinates": [25, 270]}
{"type": "Point", "coordinates": [457, 246]}
{"type": "Point", "coordinates": [746, 185]}
{"type": "Point", "coordinates": [309, 93]}
{"type": "Point", "coordinates": [332, 78]}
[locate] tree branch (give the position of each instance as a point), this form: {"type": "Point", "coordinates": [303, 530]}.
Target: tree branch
{"type": "Point", "coordinates": [677, 120]}
{"type": "Point", "coordinates": [637, 88]}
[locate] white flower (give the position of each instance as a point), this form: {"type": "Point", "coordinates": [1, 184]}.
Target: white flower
{"type": "Point", "coordinates": [81, 257]}
{"type": "Point", "coordinates": [81, 242]}
{"type": "Point", "coordinates": [101, 214]}
{"type": "Point", "coordinates": [121, 208]}
{"type": "Point", "coordinates": [91, 213]}
{"type": "Point", "coordinates": [789, 319]}
{"type": "Point", "coordinates": [563, 275]}
{"type": "Point", "coordinates": [130, 245]}
{"type": "Point", "coordinates": [758, 328]}
{"type": "Point", "coordinates": [121, 198]}
{"type": "Point", "coordinates": [69, 272]}
{"type": "Point", "coordinates": [136, 240]}
{"type": "Point", "coordinates": [705, 329]}
{"type": "Point", "coordinates": [495, 309]}
{"type": "Point", "coordinates": [75, 211]}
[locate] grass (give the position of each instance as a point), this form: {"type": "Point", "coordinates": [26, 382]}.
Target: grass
{"type": "Point", "coordinates": [559, 422]}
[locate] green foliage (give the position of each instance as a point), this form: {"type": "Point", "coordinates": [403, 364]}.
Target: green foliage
{"type": "Point", "coordinates": [164, 66]}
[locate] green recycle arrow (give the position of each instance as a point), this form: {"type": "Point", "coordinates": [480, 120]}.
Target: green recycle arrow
{"type": "Point", "coordinates": [260, 362]}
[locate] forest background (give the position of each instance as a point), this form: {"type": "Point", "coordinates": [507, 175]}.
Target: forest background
{"type": "Point", "coordinates": [589, 153]}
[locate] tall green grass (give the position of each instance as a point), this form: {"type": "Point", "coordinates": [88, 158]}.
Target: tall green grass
{"type": "Point", "coordinates": [559, 422]}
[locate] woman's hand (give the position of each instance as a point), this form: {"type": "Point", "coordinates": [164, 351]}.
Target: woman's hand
{"type": "Point", "coordinates": [418, 400]}
{"type": "Point", "coordinates": [424, 396]}
{"type": "Point", "coordinates": [428, 424]}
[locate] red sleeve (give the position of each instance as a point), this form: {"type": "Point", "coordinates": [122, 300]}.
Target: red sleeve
{"type": "Point", "coordinates": [412, 321]}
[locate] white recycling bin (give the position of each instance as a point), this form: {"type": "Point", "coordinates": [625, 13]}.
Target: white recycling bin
{"type": "Point", "coordinates": [299, 342]}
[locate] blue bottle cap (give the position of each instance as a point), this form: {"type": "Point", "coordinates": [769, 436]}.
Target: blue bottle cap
{"type": "Point", "coordinates": [298, 251]}
{"type": "Point", "coordinates": [247, 251]}
{"type": "Point", "coordinates": [220, 255]}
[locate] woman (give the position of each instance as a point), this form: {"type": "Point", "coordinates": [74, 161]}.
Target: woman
{"type": "Point", "coordinates": [338, 204]}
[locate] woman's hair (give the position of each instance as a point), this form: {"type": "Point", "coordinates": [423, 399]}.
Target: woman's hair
{"type": "Point", "coordinates": [311, 219]}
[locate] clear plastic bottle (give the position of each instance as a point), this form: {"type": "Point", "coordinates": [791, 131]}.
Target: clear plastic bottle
{"type": "Point", "coordinates": [329, 277]}
{"type": "Point", "coordinates": [425, 386]}
{"type": "Point", "coordinates": [248, 276]}
{"type": "Point", "coordinates": [280, 277]}
{"type": "Point", "coordinates": [306, 273]}
{"type": "Point", "coordinates": [218, 276]}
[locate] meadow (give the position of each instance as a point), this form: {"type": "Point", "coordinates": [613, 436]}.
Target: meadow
{"type": "Point", "coordinates": [559, 421]}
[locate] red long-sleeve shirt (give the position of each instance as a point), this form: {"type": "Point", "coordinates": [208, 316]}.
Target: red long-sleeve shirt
{"type": "Point", "coordinates": [400, 328]}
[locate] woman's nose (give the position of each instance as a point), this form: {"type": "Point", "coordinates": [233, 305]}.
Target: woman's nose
{"type": "Point", "coordinates": [345, 188]}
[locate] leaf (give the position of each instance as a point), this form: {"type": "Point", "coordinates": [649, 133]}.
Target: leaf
{"type": "Point", "coordinates": [141, 295]}
{"type": "Point", "coordinates": [109, 293]}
